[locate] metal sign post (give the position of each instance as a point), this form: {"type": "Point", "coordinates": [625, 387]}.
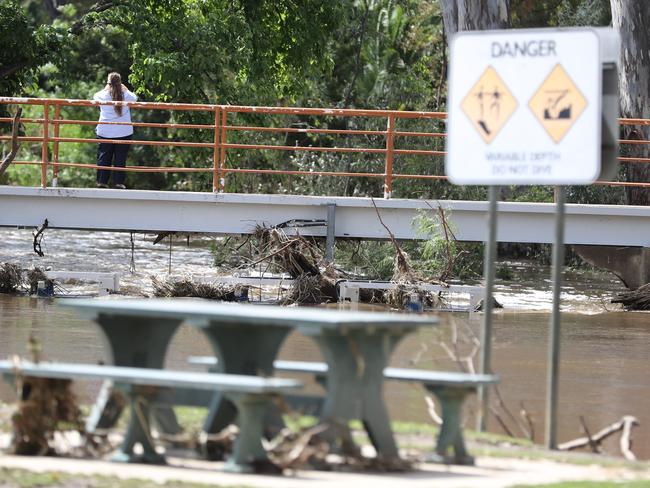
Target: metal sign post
{"type": "Point", "coordinates": [531, 107]}
{"type": "Point", "coordinates": [490, 255]}
{"type": "Point", "coordinates": [554, 335]}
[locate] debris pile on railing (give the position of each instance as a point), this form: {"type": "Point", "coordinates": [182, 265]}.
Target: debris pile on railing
{"type": "Point", "coordinates": [14, 279]}
{"type": "Point", "coordinates": [185, 287]}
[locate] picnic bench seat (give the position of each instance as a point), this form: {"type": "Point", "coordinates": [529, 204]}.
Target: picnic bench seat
{"type": "Point", "coordinates": [450, 388]}
{"type": "Point", "coordinates": [251, 395]}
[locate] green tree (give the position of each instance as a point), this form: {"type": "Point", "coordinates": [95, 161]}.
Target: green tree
{"type": "Point", "coordinates": [23, 48]}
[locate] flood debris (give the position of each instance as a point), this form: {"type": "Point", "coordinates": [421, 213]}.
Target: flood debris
{"type": "Point", "coordinates": [638, 299]}
{"type": "Point", "coordinates": [307, 448]}
{"type": "Point", "coordinates": [313, 280]}
{"type": "Point", "coordinates": [185, 287]}
{"type": "Point", "coordinates": [407, 293]}
{"type": "Point", "coordinates": [45, 406]}
{"type": "Point", "coordinates": [480, 305]}
{"type": "Point", "coordinates": [14, 279]}
{"type": "Point", "coordinates": [11, 278]}
{"type": "Point", "coordinates": [35, 275]}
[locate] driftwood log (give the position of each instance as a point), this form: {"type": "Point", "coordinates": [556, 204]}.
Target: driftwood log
{"type": "Point", "coordinates": [14, 142]}
{"type": "Point", "coordinates": [638, 299]}
{"type": "Point", "coordinates": [624, 425]}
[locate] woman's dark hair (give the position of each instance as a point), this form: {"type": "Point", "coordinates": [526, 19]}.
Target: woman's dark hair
{"type": "Point", "coordinates": [115, 81]}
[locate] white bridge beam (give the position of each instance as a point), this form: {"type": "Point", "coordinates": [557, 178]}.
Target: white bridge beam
{"type": "Point", "coordinates": [227, 213]}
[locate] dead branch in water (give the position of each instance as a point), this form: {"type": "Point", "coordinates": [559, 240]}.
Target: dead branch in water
{"type": "Point", "coordinates": [15, 145]}
{"type": "Point", "coordinates": [449, 237]}
{"type": "Point", "coordinates": [406, 278]}
{"type": "Point", "coordinates": [38, 237]}
{"type": "Point", "coordinates": [625, 425]}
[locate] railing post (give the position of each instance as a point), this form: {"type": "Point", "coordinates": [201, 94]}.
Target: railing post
{"type": "Point", "coordinates": [55, 155]}
{"type": "Point", "coordinates": [390, 144]}
{"type": "Point", "coordinates": [216, 153]}
{"type": "Point", "coordinates": [46, 141]}
{"type": "Point", "coordinates": [222, 155]}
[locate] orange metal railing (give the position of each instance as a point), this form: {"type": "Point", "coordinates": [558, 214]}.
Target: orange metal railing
{"type": "Point", "coordinates": [224, 125]}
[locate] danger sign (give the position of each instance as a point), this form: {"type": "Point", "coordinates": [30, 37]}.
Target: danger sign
{"type": "Point", "coordinates": [524, 107]}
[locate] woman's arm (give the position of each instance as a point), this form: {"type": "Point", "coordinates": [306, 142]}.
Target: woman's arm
{"type": "Point", "coordinates": [129, 96]}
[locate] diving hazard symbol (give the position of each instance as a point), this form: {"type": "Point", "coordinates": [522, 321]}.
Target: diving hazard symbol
{"type": "Point", "coordinates": [557, 103]}
{"type": "Point", "coordinates": [489, 104]}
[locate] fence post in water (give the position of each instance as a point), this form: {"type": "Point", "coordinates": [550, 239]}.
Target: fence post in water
{"type": "Point", "coordinates": [390, 145]}
{"type": "Point", "coordinates": [554, 335]}
{"type": "Point", "coordinates": [489, 257]}
{"type": "Point", "coordinates": [46, 141]}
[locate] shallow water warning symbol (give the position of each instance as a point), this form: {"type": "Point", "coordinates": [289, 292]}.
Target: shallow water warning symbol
{"type": "Point", "coordinates": [489, 104]}
{"type": "Point", "coordinates": [557, 103]}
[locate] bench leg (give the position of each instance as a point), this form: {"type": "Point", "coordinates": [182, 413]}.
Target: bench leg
{"type": "Point", "coordinates": [110, 404]}
{"type": "Point", "coordinates": [248, 454]}
{"type": "Point", "coordinates": [139, 432]}
{"type": "Point", "coordinates": [451, 434]}
{"type": "Point", "coordinates": [107, 408]}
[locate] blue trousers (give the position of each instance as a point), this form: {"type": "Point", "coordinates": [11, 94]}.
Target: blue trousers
{"type": "Point", "coordinates": [109, 154]}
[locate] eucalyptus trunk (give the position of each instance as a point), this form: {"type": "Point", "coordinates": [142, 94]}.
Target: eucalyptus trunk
{"type": "Point", "coordinates": [461, 15]}
{"type": "Point", "coordinates": [631, 18]}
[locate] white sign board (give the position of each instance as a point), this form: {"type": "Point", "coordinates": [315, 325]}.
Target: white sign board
{"type": "Point", "coordinates": [524, 107]}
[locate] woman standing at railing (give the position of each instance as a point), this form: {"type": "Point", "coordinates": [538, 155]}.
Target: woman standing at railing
{"type": "Point", "coordinates": [112, 154]}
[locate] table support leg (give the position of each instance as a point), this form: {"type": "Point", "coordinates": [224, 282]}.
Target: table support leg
{"type": "Point", "coordinates": [377, 422]}
{"type": "Point", "coordinates": [241, 350]}
{"type": "Point", "coordinates": [139, 342]}
{"type": "Point", "coordinates": [248, 454]}
{"type": "Point", "coordinates": [451, 434]}
{"type": "Point", "coordinates": [355, 385]}
{"type": "Point", "coordinates": [139, 432]}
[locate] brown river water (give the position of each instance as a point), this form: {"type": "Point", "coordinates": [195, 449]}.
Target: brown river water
{"type": "Point", "coordinates": [605, 352]}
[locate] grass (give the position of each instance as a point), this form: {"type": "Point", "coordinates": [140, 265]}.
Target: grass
{"type": "Point", "coordinates": [592, 484]}
{"type": "Point", "coordinates": [421, 437]}
{"type": "Point", "coordinates": [19, 478]}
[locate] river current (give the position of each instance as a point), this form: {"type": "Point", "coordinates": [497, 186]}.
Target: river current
{"type": "Point", "coordinates": [605, 352]}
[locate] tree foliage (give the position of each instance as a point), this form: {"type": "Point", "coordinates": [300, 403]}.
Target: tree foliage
{"type": "Point", "coordinates": [24, 47]}
{"type": "Point", "coordinates": [356, 53]}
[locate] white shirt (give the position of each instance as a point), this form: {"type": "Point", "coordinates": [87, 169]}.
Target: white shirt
{"type": "Point", "coordinates": [107, 113]}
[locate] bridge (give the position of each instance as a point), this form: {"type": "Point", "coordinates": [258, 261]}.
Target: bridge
{"type": "Point", "coordinates": [232, 143]}
{"type": "Point", "coordinates": [231, 213]}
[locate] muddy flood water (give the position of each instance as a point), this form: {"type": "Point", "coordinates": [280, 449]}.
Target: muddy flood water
{"type": "Point", "coordinates": [605, 352]}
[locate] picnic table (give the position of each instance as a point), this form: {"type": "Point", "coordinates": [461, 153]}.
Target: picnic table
{"type": "Point", "coordinates": [246, 340]}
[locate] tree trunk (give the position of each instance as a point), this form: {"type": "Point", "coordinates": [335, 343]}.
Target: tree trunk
{"type": "Point", "coordinates": [460, 15]}
{"type": "Point", "coordinates": [631, 17]}
{"type": "Point", "coordinates": [449, 17]}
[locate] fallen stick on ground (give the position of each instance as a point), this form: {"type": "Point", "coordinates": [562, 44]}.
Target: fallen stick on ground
{"type": "Point", "coordinates": [625, 424]}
